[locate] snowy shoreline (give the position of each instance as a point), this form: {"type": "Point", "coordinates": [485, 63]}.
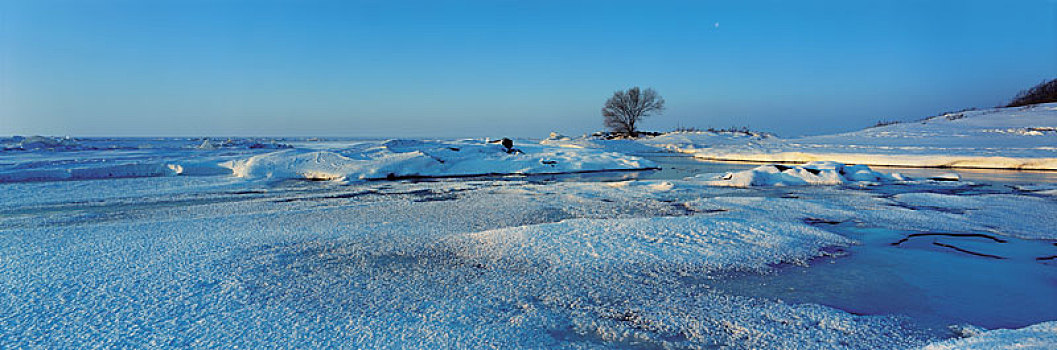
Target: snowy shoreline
{"type": "Point", "coordinates": [912, 161]}
{"type": "Point", "coordinates": [1023, 138]}
{"type": "Point", "coordinates": [359, 161]}
{"type": "Point", "coordinates": [272, 259]}
{"type": "Point", "coordinates": [1003, 138]}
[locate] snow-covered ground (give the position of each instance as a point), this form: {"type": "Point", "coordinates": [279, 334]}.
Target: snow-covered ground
{"type": "Point", "coordinates": [1001, 138]}
{"type": "Point", "coordinates": [414, 158]}
{"type": "Point", "coordinates": [247, 253]}
{"type": "Point", "coordinates": [1040, 336]}
{"type": "Point", "coordinates": [51, 159]}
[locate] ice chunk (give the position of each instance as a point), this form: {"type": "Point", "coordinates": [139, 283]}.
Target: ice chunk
{"type": "Point", "coordinates": [206, 145]}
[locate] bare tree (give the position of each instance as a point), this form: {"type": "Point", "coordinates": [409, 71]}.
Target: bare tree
{"type": "Point", "coordinates": [627, 108]}
{"type": "Point", "coordinates": [1044, 92]}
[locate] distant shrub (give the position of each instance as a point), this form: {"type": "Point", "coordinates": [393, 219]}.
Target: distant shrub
{"type": "Point", "coordinates": [744, 130]}
{"type": "Point", "coordinates": [881, 123]}
{"type": "Point", "coordinates": [733, 130]}
{"type": "Point", "coordinates": [608, 135]}
{"type": "Point", "coordinates": [1042, 93]}
{"type": "Point", "coordinates": [950, 115]}
{"type": "Point", "coordinates": [686, 129]}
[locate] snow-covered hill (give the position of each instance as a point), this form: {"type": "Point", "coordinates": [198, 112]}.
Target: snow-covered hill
{"type": "Point", "coordinates": [1007, 138]}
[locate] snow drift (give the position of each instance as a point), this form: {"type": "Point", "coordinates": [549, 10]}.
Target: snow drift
{"type": "Point", "coordinates": [413, 158]}
{"type": "Point", "coordinates": [814, 173]}
{"type": "Point", "coordinates": [253, 159]}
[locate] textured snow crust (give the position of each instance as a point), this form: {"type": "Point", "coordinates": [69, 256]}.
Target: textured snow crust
{"type": "Point", "coordinates": [1035, 337]}
{"type": "Point", "coordinates": [410, 265]}
{"type": "Point", "coordinates": [220, 261]}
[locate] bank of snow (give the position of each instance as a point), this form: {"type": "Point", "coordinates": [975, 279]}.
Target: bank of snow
{"type": "Point", "coordinates": [1000, 138]}
{"type": "Point", "coordinates": [814, 173]}
{"type": "Point", "coordinates": [413, 158]}
{"type": "Point", "coordinates": [254, 160]}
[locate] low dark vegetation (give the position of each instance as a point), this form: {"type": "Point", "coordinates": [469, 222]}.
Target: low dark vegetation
{"type": "Point", "coordinates": [881, 123]}
{"type": "Point", "coordinates": [686, 129]}
{"type": "Point", "coordinates": [1043, 93]}
{"type": "Point", "coordinates": [949, 115]}
{"type": "Point", "coordinates": [733, 130]}
{"type": "Point", "coordinates": [613, 135]}
{"type": "Point", "coordinates": [744, 130]}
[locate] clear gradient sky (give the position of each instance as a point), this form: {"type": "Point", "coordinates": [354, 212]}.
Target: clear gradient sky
{"type": "Point", "coordinates": [504, 68]}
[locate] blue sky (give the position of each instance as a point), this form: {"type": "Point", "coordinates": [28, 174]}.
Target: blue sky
{"type": "Point", "coordinates": [505, 68]}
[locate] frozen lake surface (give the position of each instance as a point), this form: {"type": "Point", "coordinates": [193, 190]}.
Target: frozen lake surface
{"type": "Point", "coordinates": [627, 259]}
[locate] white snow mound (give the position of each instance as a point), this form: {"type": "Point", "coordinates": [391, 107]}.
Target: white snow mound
{"type": "Point", "coordinates": [413, 158]}
{"type": "Point", "coordinates": [250, 158]}
{"type": "Point", "coordinates": [813, 173]}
